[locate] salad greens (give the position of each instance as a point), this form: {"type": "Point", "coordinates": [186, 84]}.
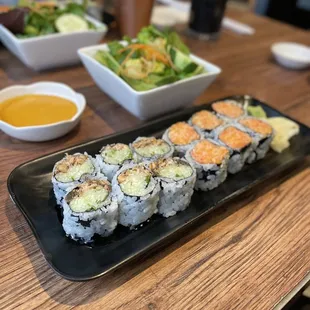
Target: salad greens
{"type": "Point", "coordinates": [42, 19]}
{"type": "Point", "coordinates": [154, 59]}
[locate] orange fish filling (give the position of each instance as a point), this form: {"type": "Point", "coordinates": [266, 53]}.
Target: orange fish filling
{"type": "Point", "coordinates": [181, 134]}
{"type": "Point", "coordinates": [228, 109]}
{"type": "Point", "coordinates": [257, 126]}
{"type": "Point", "coordinates": [206, 120]}
{"type": "Point", "coordinates": [235, 138]}
{"type": "Point", "coordinates": [206, 152]}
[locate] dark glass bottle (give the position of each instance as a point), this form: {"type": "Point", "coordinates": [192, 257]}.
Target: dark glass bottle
{"type": "Point", "coordinates": [206, 18]}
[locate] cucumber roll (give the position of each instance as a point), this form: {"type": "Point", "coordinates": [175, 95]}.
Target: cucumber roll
{"type": "Point", "coordinates": [182, 136]}
{"type": "Point", "coordinates": [150, 149]}
{"type": "Point", "coordinates": [262, 133]}
{"type": "Point", "coordinates": [210, 160]}
{"type": "Point", "coordinates": [89, 209]}
{"type": "Point", "coordinates": [72, 170]}
{"type": "Point", "coordinates": [206, 122]}
{"type": "Point", "coordinates": [229, 110]}
{"type": "Point", "coordinates": [177, 179]}
{"type": "Point", "coordinates": [239, 143]}
{"type": "Point", "coordinates": [112, 157]}
{"type": "Point", "coordinates": [137, 193]}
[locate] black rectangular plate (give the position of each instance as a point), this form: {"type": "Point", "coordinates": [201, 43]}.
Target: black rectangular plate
{"type": "Point", "coordinates": [30, 188]}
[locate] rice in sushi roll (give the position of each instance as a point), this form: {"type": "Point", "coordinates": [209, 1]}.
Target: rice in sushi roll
{"type": "Point", "coordinates": [150, 149]}
{"type": "Point", "coordinates": [206, 122]}
{"type": "Point", "coordinates": [112, 157]}
{"type": "Point", "coordinates": [182, 136]}
{"type": "Point", "coordinates": [210, 160]}
{"type": "Point", "coordinates": [177, 179]}
{"type": "Point", "coordinates": [72, 170]}
{"type": "Point", "coordinates": [239, 143]}
{"type": "Point", "coordinates": [89, 209]}
{"type": "Point", "coordinates": [137, 193]}
{"type": "Point", "coordinates": [229, 110]}
{"type": "Point", "coordinates": [262, 133]}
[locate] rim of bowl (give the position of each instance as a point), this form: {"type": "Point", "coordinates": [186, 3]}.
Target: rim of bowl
{"type": "Point", "coordinates": [292, 57]}
{"type": "Point", "coordinates": [78, 96]}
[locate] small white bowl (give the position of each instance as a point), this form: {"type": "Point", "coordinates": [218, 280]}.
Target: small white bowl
{"type": "Point", "coordinates": [150, 103]}
{"type": "Point", "coordinates": [43, 132]}
{"type": "Point", "coordinates": [52, 50]}
{"type": "Point", "coordinates": [291, 55]}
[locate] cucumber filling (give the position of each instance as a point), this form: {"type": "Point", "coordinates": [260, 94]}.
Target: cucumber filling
{"type": "Point", "coordinates": [135, 181]}
{"type": "Point", "coordinates": [73, 167]}
{"type": "Point", "coordinates": [116, 154]}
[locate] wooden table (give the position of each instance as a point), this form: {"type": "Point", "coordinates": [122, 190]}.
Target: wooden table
{"type": "Point", "coordinates": [248, 256]}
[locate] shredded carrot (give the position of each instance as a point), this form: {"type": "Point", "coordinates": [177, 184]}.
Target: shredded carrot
{"type": "Point", "coordinates": [150, 52]}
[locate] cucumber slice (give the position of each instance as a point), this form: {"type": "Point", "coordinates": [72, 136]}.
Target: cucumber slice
{"type": "Point", "coordinates": [70, 23]}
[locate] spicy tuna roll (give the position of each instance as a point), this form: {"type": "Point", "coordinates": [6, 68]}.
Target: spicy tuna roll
{"type": "Point", "coordinates": [261, 132]}
{"type": "Point", "coordinates": [182, 136]}
{"type": "Point", "coordinates": [150, 149]}
{"type": "Point", "coordinates": [177, 179]}
{"type": "Point", "coordinates": [137, 193]}
{"type": "Point", "coordinates": [89, 209]}
{"type": "Point", "coordinates": [112, 157]}
{"type": "Point", "coordinates": [72, 170]}
{"type": "Point", "coordinates": [210, 160]}
{"type": "Point", "coordinates": [229, 109]}
{"type": "Point", "coordinates": [206, 122]}
{"type": "Point", "coordinates": [239, 143]}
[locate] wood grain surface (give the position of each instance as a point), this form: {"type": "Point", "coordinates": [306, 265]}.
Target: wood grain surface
{"type": "Point", "coordinates": [249, 255]}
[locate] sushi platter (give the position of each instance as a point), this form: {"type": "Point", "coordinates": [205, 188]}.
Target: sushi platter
{"type": "Point", "coordinates": [98, 205]}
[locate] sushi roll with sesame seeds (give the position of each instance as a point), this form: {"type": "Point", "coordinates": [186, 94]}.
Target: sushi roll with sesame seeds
{"type": "Point", "coordinates": [112, 157]}
{"type": "Point", "coordinates": [89, 209]}
{"type": "Point", "coordinates": [206, 122]}
{"type": "Point", "coordinates": [176, 178]}
{"type": "Point", "coordinates": [228, 110]}
{"type": "Point", "coordinates": [182, 136]}
{"type": "Point", "coordinates": [72, 170]}
{"type": "Point", "coordinates": [137, 193]}
{"type": "Point", "coordinates": [150, 149]}
{"type": "Point", "coordinates": [261, 132]}
{"type": "Point", "coordinates": [210, 160]}
{"type": "Point", "coordinates": [239, 143]}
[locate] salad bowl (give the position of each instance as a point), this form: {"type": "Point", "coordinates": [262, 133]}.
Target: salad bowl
{"type": "Point", "coordinates": [52, 50]}
{"type": "Point", "coordinates": [149, 103]}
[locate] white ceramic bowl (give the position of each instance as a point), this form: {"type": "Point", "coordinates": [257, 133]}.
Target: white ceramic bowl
{"type": "Point", "coordinates": [154, 102]}
{"type": "Point", "coordinates": [44, 132]}
{"type": "Point", "coordinates": [51, 50]}
{"type": "Point", "coordinates": [291, 55]}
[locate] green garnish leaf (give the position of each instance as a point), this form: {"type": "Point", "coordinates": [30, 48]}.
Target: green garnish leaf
{"type": "Point", "coordinates": [257, 111]}
{"type": "Point", "coordinates": [174, 40]}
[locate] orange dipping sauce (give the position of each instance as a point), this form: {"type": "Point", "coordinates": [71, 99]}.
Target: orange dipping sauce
{"type": "Point", "coordinates": [34, 110]}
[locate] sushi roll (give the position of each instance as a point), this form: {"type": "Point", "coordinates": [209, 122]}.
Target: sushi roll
{"type": "Point", "coordinates": [112, 157]}
{"type": "Point", "coordinates": [89, 209]}
{"type": "Point", "coordinates": [210, 160]}
{"type": "Point", "coordinates": [229, 110]}
{"type": "Point", "coordinates": [262, 133]}
{"type": "Point", "coordinates": [239, 143]}
{"type": "Point", "coordinates": [206, 122]}
{"type": "Point", "coordinates": [177, 179]}
{"type": "Point", "coordinates": [150, 149]}
{"type": "Point", "coordinates": [72, 170]}
{"type": "Point", "coordinates": [182, 136]}
{"type": "Point", "coordinates": [137, 193]}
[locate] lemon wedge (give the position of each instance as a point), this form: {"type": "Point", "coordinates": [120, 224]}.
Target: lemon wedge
{"type": "Point", "coordinates": [70, 23]}
{"type": "Point", "coordinates": [284, 129]}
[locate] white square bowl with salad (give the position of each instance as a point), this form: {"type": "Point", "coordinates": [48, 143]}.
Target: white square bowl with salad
{"type": "Point", "coordinates": [51, 39]}
{"type": "Point", "coordinates": [150, 75]}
